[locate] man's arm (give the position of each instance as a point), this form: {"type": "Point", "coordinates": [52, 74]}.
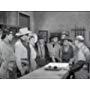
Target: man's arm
{"type": "Point", "coordinates": [18, 59]}
{"type": "Point", "coordinates": [50, 52]}
{"type": "Point", "coordinates": [60, 54]}
{"type": "Point", "coordinates": [72, 56]}
{"type": "Point", "coordinates": [1, 59]}
{"type": "Point", "coordinates": [53, 58]}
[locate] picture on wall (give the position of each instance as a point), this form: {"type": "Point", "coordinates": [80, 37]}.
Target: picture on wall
{"type": "Point", "coordinates": [44, 34]}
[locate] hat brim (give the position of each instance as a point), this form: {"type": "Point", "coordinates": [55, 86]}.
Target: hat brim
{"type": "Point", "coordinates": [67, 39]}
{"type": "Point", "coordinates": [19, 34]}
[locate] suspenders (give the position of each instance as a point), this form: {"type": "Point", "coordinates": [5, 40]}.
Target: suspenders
{"type": "Point", "coordinates": [28, 53]}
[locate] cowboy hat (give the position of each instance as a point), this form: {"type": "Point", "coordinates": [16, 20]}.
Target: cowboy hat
{"type": "Point", "coordinates": [80, 38]}
{"type": "Point", "coordinates": [67, 38]}
{"type": "Point", "coordinates": [23, 31]}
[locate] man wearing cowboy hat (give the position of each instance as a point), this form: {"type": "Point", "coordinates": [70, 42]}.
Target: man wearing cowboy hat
{"type": "Point", "coordinates": [67, 51]}
{"type": "Point", "coordinates": [22, 51]}
{"type": "Point", "coordinates": [54, 49]}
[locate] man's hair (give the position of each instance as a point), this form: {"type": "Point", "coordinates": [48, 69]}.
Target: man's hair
{"type": "Point", "coordinates": [5, 33]}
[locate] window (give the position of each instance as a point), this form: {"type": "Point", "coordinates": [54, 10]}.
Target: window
{"type": "Point", "coordinates": [78, 31]}
{"type": "Point", "coordinates": [24, 20]}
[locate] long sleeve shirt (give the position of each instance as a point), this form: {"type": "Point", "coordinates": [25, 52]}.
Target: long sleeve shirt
{"type": "Point", "coordinates": [82, 53]}
{"type": "Point", "coordinates": [54, 51]}
{"type": "Point", "coordinates": [6, 55]}
{"type": "Point", "coordinates": [21, 54]}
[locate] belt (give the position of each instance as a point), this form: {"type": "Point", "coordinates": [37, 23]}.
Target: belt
{"type": "Point", "coordinates": [24, 61]}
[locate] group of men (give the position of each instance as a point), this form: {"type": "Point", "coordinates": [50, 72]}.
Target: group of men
{"type": "Point", "coordinates": [75, 52]}
{"type": "Point", "coordinates": [15, 58]}
{"type": "Point", "coordinates": [26, 54]}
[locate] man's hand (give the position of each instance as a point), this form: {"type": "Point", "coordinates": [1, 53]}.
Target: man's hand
{"type": "Point", "coordinates": [71, 61]}
{"type": "Point", "coordinates": [53, 58]}
{"type": "Point", "coordinates": [22, 72]}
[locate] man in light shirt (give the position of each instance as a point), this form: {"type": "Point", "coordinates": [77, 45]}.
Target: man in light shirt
{"type": "Point", "coordinates": [54, 50]}
{"type": "Point", "coordinates": [22, 51]}
{"type": "Point", "coordinates": [82, 56]}
{"type": "Point", "coordinates": [7, 56]}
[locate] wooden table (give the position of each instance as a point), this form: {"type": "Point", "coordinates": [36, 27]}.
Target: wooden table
{"type": "Point", "coordinates": [41, 73]}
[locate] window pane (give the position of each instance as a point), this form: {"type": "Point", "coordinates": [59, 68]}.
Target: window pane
{"type": "Point", "coordinates": [24, 20]}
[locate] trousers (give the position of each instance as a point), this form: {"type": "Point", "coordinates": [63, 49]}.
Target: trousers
{"type": "Point", "coordinates": [74, 68]}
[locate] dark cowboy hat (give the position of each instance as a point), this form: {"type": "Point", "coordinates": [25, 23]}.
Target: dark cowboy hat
{"type": "Point", "coordinates": [53, 36]}
{"type": "Point", "coordinates": [67, 38]}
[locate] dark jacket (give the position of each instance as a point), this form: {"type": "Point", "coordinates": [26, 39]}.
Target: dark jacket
{"type": "Point", "coordinates": [66, 56]}
{"type": "Point", "coordinates": [38, 60]}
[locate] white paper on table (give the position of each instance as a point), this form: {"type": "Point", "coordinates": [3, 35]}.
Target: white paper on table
{"type": "Point", "coordinates": [59, 65]}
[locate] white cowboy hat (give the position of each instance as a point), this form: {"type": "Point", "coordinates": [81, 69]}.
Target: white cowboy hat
{"type": "Point", "coordinates": [23, 31]}
{"type": "Point", "coordinates": [79, 37]}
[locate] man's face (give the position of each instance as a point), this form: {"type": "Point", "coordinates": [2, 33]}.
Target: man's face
{"type": "Point", "coordinates": [10, 37]}
{"type": "Point", "coordinates": [66, 42]}
{"type": "Point", "coordinates": [25, 37]}
{"type": "Point", "coordinates": [32, 41]}
{"type": "Point", "coordinates": [10, 66]}
{"type": "Point", "coordinates": [41, 41]}
{"type": "Point", "coordinates": [55, 39]}
{"type": "Point", "coordinates": [76, 42]}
